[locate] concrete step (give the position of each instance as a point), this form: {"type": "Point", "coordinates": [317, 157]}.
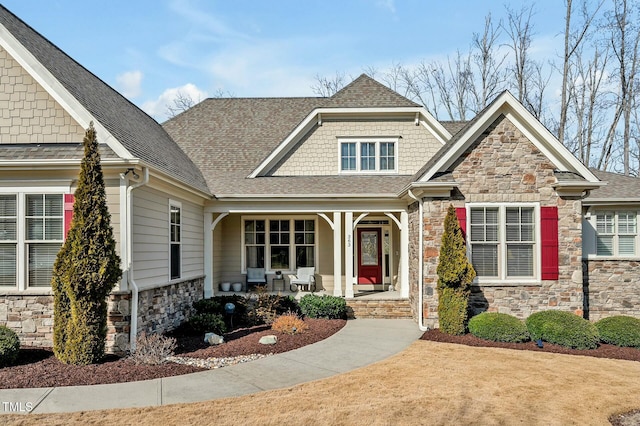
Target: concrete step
{"type": "Point", "coordinates": [379, 308]}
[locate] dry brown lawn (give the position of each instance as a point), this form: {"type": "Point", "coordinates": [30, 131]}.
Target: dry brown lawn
{"type": "Point", "coordinates": [428, 383]}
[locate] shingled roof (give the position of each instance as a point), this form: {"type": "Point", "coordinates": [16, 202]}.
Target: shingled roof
{"type": "Point", "coordinates": [618, 188]}
{"type": "Point", "coordinates": [228, 138]}
{"type": "Point", "coordinates": [140, 134]}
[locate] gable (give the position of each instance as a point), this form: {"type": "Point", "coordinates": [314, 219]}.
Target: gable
{"type": "Point", "coordinates": [506, 105]}
{"type": "Point", "coordinates": [503, 165]}
{"type": "Point", "coordinates": [318, 152]}
{"type": "Point", "coordinates": [30, 114]}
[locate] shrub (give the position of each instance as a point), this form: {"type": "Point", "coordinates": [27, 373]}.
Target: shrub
{"type": "Point", "coordinates": [325, 306]}
{"type": "Point", "coordinates": [498, 327]}
{"type": "Point", "coordinates": [215, 305]}
{"type": "Point", "coordinates": [563, 328]}
{"type": "Point", "coordinates": [206, 323]}
{"type": "Point", "coordinates": [289, 323]}
{"type": "Point", "coordinates": [452, 311]}
{"type": "Point", "coordinates": [9, 346]}
{"type": "Point", "coordinates": [455, 275]}
{"type": "Point", "coordinates": [620, 330]}
{"type": "Point", "coordinates": [152, 349]}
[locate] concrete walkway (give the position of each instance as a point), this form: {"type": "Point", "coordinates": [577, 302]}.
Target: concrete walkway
{"type": "Point", "coordinates": [361, 342]}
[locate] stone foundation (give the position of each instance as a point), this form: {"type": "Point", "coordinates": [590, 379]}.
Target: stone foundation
{"type": "Point", "coordinates": [391, 308]}
{"type": "Point", "coordinates": [611, 287]}
{"type": "Point", "coordinates": [160, 310]}
{"type": "Point", "coordinates": [31, 316]}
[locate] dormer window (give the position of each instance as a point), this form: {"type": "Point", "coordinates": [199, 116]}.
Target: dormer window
{"type": "Point", "coordinates": [368, 155]}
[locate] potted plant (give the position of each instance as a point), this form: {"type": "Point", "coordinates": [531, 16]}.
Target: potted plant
{"type": "Point", "coordinates": [279, 275]}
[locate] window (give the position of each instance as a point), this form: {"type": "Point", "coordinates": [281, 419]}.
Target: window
{"type": "Point", "coordinates": [305, 237]}
{"type": "Point", "coordinates": [616, 233]}
{"type": "Point", "coordinates": [8, 239]}
{"type": "Point", "coordinates": [254, 240]}
{"type": "Point", "coordinates": [503, 241]}
{"type": "Point", "coordinates": [279, 244]}
{"type": "Point", "coordinates": [368, 155]}
{"type": "Point", "coordinates": [44, 228]}
{"type": "Point", "coordinates": [279, 239]}
{"type": "Point", "coordinates": [175, 238]}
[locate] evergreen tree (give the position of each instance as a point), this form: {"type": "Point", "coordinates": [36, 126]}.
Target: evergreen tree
{"type": "Point", "coordinates": [455, 275]}
{"type": "Point", "coordinates": [86, 269]}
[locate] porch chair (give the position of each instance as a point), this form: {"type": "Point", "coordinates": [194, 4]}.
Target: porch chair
{"type": "Point", "coordinates": [304, 277]}
{"type": "Point", "coordinates": [255, 277]}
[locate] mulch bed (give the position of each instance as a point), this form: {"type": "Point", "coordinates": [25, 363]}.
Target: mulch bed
{"type": "Point", "coordinates": [38, 368]}
{"type": "Point", "coordinates": [603, 351]}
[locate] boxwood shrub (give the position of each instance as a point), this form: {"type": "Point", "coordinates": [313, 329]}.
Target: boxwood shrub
{"type": "Point", "coordinates": [9, 346]}
{"type": "Point", "coordinates": [563, 328]}
{"type": "Point", "coordinates": [498, 327]}
{"type": "Point", "coordinates": [620, 330]}
{"type": "Point", "coordinates": [325, 306]}
{"type": "Point", "coordinates": [206, 323]}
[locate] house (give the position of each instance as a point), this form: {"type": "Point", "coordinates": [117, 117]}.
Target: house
{"type": "Point", "coordinates": [355, 186]}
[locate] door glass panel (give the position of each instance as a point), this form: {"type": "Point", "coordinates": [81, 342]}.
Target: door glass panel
{"type": "Point", "coordinates": [369, 248]}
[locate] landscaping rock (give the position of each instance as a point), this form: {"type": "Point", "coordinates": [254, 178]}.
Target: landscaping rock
{"type": "Point", "coordinates": [269, 339]}
{"type": "Point", "coordinates": [213, 339]}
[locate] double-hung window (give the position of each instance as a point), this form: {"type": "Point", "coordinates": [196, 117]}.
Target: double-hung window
{"type": "Point", "coordinates": [278, 244]}
{"type": "Point", "coordinates": [175, 239]}
{"type": "Point", "coordinates": [8, 239]}
{"type": "Point", "coordinates": [369, 155]}
{"type": "Point", "coordinates": [503, 241]}
{"type": "Point", "coordinates": [617, 233]}
{"type": "Point", "coordinates": [44, 235]}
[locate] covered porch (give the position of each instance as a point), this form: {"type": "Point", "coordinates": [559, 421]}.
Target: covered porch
{"type": "Point", "coordinates": [356, 252]}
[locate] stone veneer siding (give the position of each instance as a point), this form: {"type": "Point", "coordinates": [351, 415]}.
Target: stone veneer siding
{"type": "Point", "coordinates": [503, 166]}
{"type": "Point", "coordinates": [317, 153]}
{"type": "Point", "coordinates": [31, 316]}
{"type": "Point", "coordinates": [160, 309]}
{"type": "Point", "coordinates": [611, 287]}
{"type": "Point", "coordinates": [380, 308]}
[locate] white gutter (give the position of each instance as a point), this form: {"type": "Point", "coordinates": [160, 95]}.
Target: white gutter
{"type": "Point", "coordinates": [421, 259]}
{"type": "Point", "coordinates": [133, 332]}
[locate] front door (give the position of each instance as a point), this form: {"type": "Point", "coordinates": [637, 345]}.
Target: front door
{"type": "Point", "coordinates": [369, 256]}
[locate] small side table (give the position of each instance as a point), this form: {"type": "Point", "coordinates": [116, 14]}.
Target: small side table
{"type": "Point", "coordinates": [277, 284]}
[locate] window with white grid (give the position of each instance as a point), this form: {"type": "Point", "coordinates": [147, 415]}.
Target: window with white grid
{"type": "Point", "coordinates": [617, 233]}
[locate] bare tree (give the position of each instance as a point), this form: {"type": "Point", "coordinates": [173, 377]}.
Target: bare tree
{"type": "Point", "coordinates": [520, 31]}
{"type": "Point", "coordinates": [573, 38]}
{"type": "Point", "coordinates": [490, 78]}
{"type": "Point", "coordinates": [182, 102]}
{"type": "Point", "coordinates": [329, 86]}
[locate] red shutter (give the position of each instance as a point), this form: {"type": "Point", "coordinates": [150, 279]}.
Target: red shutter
{"type": "Point", "coordinates": [461, 214]}
{"type": "Point", "coordinates": [549, 234]}
{"type": "Point", "coordinates": [68, 212]}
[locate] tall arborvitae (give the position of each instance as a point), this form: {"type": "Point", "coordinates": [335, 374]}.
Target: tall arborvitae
{"type": "Point", "coordinates": [86, 269]}
{"type": "Point", "coordinates": [455, 275]}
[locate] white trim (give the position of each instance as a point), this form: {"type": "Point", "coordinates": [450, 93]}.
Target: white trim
{"type": "Point", "coordinates": [502, 244]}
{"type": "Point", "coordinates": [435, 127]}
{"type": "Point", "coordinates": [593, 221]}
{"type": "Point", "coordinates": [61, 95]}
{"type": "Point", "coordinates": [337, 254]}
{"type": "Point", "coordinates": [506, 104]}
{"type": "Point", "coordinates": [348, 254]}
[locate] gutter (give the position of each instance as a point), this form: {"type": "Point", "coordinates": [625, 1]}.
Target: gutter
{"type": "Point", "coordinates": [421, 258]}
{"type": "Point", "coordinates": [133, 331]}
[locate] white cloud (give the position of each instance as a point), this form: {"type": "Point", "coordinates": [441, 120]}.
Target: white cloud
{"type": "Point", "coordinates": [159, 108]}
{"type": "Point", "coordinates": [129, 83]}
{"type": "Point", "coordinates": [387, 4]}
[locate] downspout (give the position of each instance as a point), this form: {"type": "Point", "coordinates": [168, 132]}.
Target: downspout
{"type": "Point", "coordinates": [133, 332]}
{"type": "Point", "coordinates": [421, 258]}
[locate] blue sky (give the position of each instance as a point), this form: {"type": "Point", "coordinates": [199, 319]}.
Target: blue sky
{"type": "Point", "coordinates": [148, 50]}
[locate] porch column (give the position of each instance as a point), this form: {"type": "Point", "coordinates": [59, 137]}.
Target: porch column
{"type": "Point", "coordinates": [337, 254]}
{"type": "Point", "coordinates": [208, 255]}
{"type": "Point", "coordinates": [404, 254]}
{"type": "Point", "coordinates": [348, 255]}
